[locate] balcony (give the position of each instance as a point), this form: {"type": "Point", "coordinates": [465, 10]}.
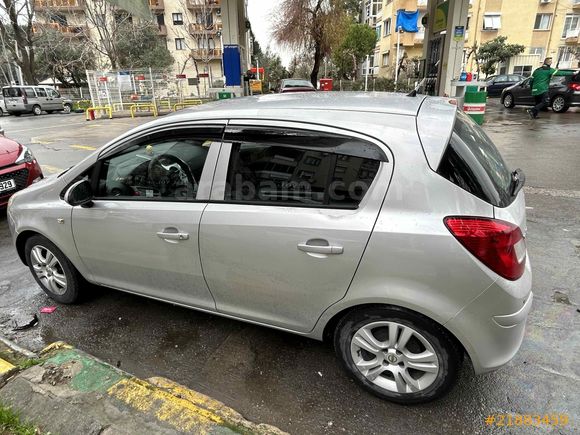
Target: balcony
{"type": "Point", "coordinates": [206, 54]}
{"type": "Point", "coordinates": [201, 4]}
{"type": "Point", "coordinates": [65, 30]}
{"type": "Point", "coordinates": [162, 30]}
{"type": "Point", "coordinates": [59, 5]}
{"type": "Point", "coordinates": [572, 37]}
{"type": "Point", "coordinates": [202, 29]}
{"type": "Point", "coordinates": [156, 5]}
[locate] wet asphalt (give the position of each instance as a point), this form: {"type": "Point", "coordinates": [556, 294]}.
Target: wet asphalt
{"type": "Point", "coordinates": [296, 383]}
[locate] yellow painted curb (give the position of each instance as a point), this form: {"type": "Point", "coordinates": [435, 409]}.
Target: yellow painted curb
{"type": "Point", "coordinates": [180, 413]}
{"type": "Point", "coordinates": [57, 345]}
{"type": "Point", "coordinates": [5, 366]}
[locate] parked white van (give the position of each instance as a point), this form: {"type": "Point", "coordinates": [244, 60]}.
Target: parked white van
{"type": "Point", "coordinates": [34, 99]}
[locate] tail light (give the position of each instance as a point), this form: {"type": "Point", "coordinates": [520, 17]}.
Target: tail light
{"type": "Point", "coordinates": [575, 86]}
{"type": "Point", "coordinates": [498, 244]}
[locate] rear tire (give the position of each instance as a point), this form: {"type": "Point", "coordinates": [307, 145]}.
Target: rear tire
{"type": "Point", "coordinates": [508, 101]}
{"type": "Point", "coordinates": [397, 355]}
{"type": "Point", "coordinates": [559, 104]}
{"type": "Point", "coordinates": [37, 110]}
{"type": "Point", "coordinates": [52, 270]}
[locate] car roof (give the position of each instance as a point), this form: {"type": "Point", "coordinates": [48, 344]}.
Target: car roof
{"type": "Point", "coordinates": [369, 102]}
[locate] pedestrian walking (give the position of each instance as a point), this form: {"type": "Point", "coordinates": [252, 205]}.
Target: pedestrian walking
{"type": "Point", "coordinates": [540, 84]}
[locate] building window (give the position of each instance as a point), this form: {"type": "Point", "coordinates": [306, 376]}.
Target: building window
{"type": "Point", "coordinates": [537, 50]}
{"type": "Point", "coordinates": [180, 43]}
{"type": "Point", "coordinates": [387, 27]}
{"type": "Point", "coordinates": [491, 22]}
{"type": "Point", "coordinates": [571, 24]}
{"type": "Point", "coordinates": [177, 18]}
{"type": "Point", "coordinates": [543, 21]}
{"type": "Point", "coordinates": [378, 30]}
{"type": "Point", "coordinates": [385, 60]}
{"type": "Point", "coordinates": [523, 70]}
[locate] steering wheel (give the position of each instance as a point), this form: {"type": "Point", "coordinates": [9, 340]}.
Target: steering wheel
{"type": "Point", "coordinates": [169, 159]}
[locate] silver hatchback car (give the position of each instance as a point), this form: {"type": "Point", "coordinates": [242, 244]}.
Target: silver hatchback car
{"type": "Point", "coordinates": [387, 224]}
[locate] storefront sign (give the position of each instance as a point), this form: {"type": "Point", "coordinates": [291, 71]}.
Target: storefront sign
{"type": "Point", "coordinates": [441, 14]}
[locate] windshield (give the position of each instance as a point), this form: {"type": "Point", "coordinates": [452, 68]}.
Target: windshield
{"type": "Point", "coordinates": [472, 162]}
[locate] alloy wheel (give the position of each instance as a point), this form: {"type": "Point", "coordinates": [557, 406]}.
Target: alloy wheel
{"type": "Point", "coordinates": [558, 104]}
{"type": "Point", "coordinates": [507, 101]}
{"type": "Point", "coordinates": [394, 356]}
{"type": "Point", "coordinates": [48, 269]}
{"type": "Point", "coordinates": [67, 108]}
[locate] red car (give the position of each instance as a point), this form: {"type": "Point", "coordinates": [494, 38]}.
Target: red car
{"type": "Point", "coordinates": [18, 169]}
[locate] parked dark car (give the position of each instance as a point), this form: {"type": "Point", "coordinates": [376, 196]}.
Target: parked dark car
{"type": "Point", "coordinates": [564, 92]}
{"type": "Point", "coordinates": [496, 84]}
{"type": "Point", "coordinates": [18, 169]}
{"type": "Point", "coordinates": [295, 85]}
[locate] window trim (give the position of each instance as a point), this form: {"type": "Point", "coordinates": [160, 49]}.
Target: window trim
{"type": "Point", "coordinates": [177, 22]}
{"type": "Point", "coordinates": [540, 29]}
{"type": "Point", "coordinates": [491, 15]}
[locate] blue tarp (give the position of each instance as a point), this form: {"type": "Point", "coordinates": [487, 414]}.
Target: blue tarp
{"type": "Point", "coordinates": [407, 20]}
{"type": "Point", "coordinates": [232, 65]}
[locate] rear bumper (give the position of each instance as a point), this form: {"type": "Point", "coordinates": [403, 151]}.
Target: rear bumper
{"type": "Point", "coordinates": [491, 328]}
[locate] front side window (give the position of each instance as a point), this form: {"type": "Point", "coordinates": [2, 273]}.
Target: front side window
{"type": "Point", "coordinates": [52, 93]}
{"type": "Point", "coordinates": [304, 171]}
{"type": "Point", "coordinates": [162, 167]}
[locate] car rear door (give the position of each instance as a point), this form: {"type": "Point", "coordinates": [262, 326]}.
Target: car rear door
{"type": "Point", "coordinates": [523, 94]}
{"type": "Point", "coordinates": [291, 213]}
{"type": "Point", "coordinates": [141, 234]}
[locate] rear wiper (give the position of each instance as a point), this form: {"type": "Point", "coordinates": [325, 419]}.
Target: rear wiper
{"type": "Point", "coordinates": [518, 181]}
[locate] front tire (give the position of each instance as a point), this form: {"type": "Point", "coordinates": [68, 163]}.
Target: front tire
{"type": "Point", "coordinates": [67, 108]}
{"type": "Point", "coordinates": [508, 101]}
{"type": "Point", "coordinates": [397, 355]}
{"type": "Point", "coordinates": [52, 270]}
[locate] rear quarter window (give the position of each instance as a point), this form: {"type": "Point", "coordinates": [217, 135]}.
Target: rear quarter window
{"type": "Point", "coordinates": [11, 92]}
{"type": "Point", "coordinates": [472, 162]}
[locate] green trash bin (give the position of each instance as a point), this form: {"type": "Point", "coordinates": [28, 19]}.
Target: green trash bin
{"type": "Point", "coordinates": [474, 105]}
{"type": "Point", "coordinates": [224, 95]}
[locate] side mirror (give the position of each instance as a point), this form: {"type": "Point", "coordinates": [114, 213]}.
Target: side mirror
{"type": "Point", "coordinates": [80, 193]}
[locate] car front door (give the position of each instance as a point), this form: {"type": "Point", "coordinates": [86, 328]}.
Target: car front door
{"type": "Point", "coordinates": [291, 213]}
{"type": "Point", "coordinates": [54, 99]}
{"type": "Point", "coordinates": [523, 94]}
{"type": "Point", "coordinates": [141, 234]}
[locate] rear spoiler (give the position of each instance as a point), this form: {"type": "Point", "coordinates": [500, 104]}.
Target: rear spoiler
{"type": "Point", "coordinates": [435, 120]}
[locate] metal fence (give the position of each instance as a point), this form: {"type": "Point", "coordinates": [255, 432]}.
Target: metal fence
{"type": "Point", "coordinates": [122, 89]}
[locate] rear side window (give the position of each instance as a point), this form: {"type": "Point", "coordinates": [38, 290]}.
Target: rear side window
{"type": "Point", "coordinates": [29, 92]}
{"type": "Point", "coordinates": [303, 172]}
{"type": "Point", "coordinates": [472, 162]}
{"type": "Point", "coordinates": [12, 92]}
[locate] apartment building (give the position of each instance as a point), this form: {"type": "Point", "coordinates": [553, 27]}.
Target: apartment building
{"type": "Point", "coordinates": [543, 27]}
{"type": "Point", "coordinates": [382, 16]}
{"type": "Point", "coordinates": [196, 32]}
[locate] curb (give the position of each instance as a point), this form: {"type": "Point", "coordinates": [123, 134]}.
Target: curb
{"type": "Point", "coordinates": [69, 391]}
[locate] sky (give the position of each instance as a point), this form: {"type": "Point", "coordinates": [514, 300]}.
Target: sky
{"type": "Point", "coordinates": [260, 13]}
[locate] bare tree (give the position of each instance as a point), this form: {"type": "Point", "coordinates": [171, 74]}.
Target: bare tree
{"type": "Point", "coordinates": [16, 31]}
{"type": "Point", "coordinates": [312, 26]}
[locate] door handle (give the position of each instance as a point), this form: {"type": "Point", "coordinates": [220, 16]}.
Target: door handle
{"type": "Point", "coordinates": [315, 249]}
{"type": "Point", "coordinates": [172, 236]}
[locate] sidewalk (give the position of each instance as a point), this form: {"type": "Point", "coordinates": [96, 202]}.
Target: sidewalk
{"type": "Point", "coordinates": [66, 391]}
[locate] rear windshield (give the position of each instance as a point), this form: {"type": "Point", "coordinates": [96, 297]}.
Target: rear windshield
{"type": "Point", "coordinates": [472, 162]}
{"type": "Point", "coordinates": [12, 92]}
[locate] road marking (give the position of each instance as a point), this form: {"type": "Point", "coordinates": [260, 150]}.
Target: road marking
{"type": "Point", "coordinates": [83, 147]}
{"type": "Point", "coordinates": [51, 169]}
{"type": "Point", "coordinates": [5, 366]}
{"type": "Point", "coordinates": [39, 141]}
